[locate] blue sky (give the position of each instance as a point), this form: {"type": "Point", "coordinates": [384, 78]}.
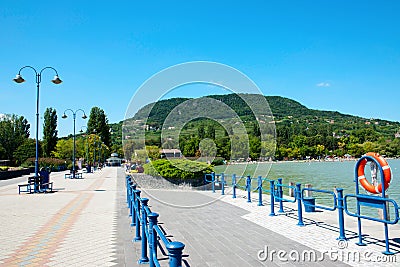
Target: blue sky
{"type": "Point", "coordinates": [330, 55]}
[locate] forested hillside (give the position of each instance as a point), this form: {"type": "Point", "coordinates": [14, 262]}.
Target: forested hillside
{"type": "Point", "coordinates": [300, 132]}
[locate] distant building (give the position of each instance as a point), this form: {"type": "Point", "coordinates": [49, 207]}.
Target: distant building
{"type": "Point", "coordinates": [114, 160]}
{"type": "Point", "coordinates": [170, 153]}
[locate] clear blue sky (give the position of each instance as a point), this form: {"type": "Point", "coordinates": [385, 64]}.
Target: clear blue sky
{"type": "Point", "coordinates": [331, 55]}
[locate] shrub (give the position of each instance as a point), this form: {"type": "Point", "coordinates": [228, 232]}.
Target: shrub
{"type": "Point", "coordinates": [53, 163]}
{"type": "Point", "coordinates": [178, 170]}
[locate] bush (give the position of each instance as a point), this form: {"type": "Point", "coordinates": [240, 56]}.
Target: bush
{"type": "Point", "coordinates": [218, 161]}
{"type": "Point", "coordinates": [54, 164]}
{"type": "Point", "coordinates": [3, 168]}
{"type": "Point", "coordinates": [178, 170]}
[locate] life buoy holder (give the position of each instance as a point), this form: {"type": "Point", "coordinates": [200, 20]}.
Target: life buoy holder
{"type": "Point", "coordinates": [387, 175]}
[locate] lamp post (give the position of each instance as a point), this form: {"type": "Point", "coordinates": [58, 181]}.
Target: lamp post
{"type": "Point", "coordinates": [86, 145]}
{"type": "Point", "coordinates": [56, 80]}
{"type": "Point", "coordinates": [64, 116]}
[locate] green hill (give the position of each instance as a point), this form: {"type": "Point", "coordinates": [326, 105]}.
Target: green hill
{"type": "Point", "coordinates": [300, 131]}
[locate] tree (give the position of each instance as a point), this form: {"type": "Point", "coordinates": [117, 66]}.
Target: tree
{"type": "Point", "coordinates": [98, 124]}
{"type": "Point", "coordinates": [49, 131]}
{"type": "Point", "coordinates": [14, 130]}
{"type": "Point", "coordinates": [63, 149]}
{"type": "Point", "coordinates": [153, 152]}
{"type": "Point", "coordinates": [26, 150]}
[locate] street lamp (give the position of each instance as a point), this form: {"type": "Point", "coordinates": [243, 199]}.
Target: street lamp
{"type": "Point", "coordinates": [56, 80]}
{"type": "Point", "coordinates": [86, 146]}
{"type": "Point", "coordinates": [64, 116]}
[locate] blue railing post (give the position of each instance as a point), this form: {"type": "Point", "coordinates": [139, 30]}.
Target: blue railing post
{"type": "Point", "coordinates": [233, 185]}
{"type": "Point", "coordinates": [280, 194]}
{"type": "Point", "coordinates": [137, 210]}
{"type": "Point", "coordinates": [130, 185]}
{"type": "Point", "coordinates": [340, 206]}
{"type": "Point", "coordinates": [299, 207]}
{"type": "Point", "coordinates": [248, 187]}
{"type": "Point", "coordinates": [132, 209]}
{"type": "Point", "coordinates": [222, 184]}
{"type": "Point", "coordinates": [213, 181]}
{"type": "Point", "coordinates": [175, 253]}
{"type": "Point", "coordinates": [260, 191]}
{"type": "Point", "coordinates": [153, 237]}
{"type": "Point", "coordinates": [272, 189]}
{"type": "Point", "coordinates": [144, 258]}
{"type": "Point", "coordinates": [128, 178]}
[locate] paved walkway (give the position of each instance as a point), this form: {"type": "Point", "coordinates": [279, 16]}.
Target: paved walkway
{"type": "Point", "coordinates": [85, 223]}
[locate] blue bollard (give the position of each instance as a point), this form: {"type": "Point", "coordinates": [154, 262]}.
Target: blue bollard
{"type": "Point", "coordinates": [144, 258]}
{"type": "Point", "coordinates": [299, 207]}
{"type": "Point", "coordinates": [280, 194]}
{"type": "Point", "coordinates": [248, 187]}
{"type": "Point", "coordinates": [175, 253]}
{"type": "Point", "coordinates": [272, 189]}
{"type": "Point", "coordinates": [213, 181]}
{"type": "Point", "coordinates": [260, 191]}
{"type": "Point", "coordinates": [340, 206]}
{"type": "Point", "coordinates": [153, 217]}
{"type": "Point", "coordinates": [233, 185]}
{"type": "Point", "coordinates": [137, 210]}
{"type": "Point", "coordinates": [222, 184]}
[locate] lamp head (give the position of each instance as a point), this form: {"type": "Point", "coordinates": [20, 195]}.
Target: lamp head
{"type": "Point", "coordinates": [84, 116]}
{"type": "Point", "coordinates": [64, 116]}
{"type": "Point", "coordinates": [19, 79]}
{"type": "Point", "coordinates": [56, 80]}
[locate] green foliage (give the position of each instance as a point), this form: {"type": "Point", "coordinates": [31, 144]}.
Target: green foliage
{"type": "Point", "coordinates": [46, 162]}
{"type": "Point", "coordinates": [49, 131]}
{"type": "Point", "coordinates": [153, 152]}
{"type": "Point", "coordinates": [300, 132]}
{"type": "Point", "coordinates": [64, 149]}
{"type": "Point", "coordinates": [25, 150]}
{"type": "Point", "coordinates": [98, 124]}
{"type": "Point", "coordinates": [178, 170]}
{"type": "Point", "coordinates": [14, 130]}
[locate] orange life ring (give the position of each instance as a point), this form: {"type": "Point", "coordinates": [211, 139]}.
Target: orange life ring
{"type": "Point", "coordinates": [387, 175]}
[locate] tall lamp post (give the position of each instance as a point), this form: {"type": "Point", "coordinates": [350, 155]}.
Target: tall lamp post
{"type": "Point", "coordinates": [86, 146]}
{"type": "Point", "coordinates": [56, 80]}
{"type": "Point", "coordinates": [64, 116]}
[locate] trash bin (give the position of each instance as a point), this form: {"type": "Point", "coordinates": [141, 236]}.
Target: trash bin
{"type": "Point", "coordinates": [309, 204]}
{"type": "Point", "coordinates": [45, 178]}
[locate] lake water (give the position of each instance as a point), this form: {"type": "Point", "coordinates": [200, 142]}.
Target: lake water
{"type": "Point", "coordinates": [321, 175]}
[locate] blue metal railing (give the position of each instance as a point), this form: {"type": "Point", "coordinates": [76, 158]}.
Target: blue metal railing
{"type": "Point", "coordinates": [147, 230]}
{"type": "Point", "coordinates": [339, 202]}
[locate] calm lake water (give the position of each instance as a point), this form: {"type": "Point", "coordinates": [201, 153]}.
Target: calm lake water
{"type": "Point", "coordinates": [322, 175]}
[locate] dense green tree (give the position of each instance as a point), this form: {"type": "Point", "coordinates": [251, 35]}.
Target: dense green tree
{"type": "Point", "coordinates": [63, 149]}
{"type": "Point", "coordinates": [153, 152]}
{"type": "Point", "coordinates": [98, 124]}
{"type": "Point", "coordinates": [14, 130]}
{"type": "Point", "coordinates": [26, 150]}
{"type": "Point", "coordinates": [49, 131]}
{"type": "Point", "coordinates": [201, 133]}
{"type": "Point", "coordinates": [210, 132]}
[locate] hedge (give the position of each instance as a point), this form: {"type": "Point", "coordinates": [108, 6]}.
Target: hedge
{"type": "Point", "coordinates": [178, 170]}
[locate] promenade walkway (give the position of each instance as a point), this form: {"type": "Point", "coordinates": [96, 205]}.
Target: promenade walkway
{"type": "Point", "coordinates": [85, 223]}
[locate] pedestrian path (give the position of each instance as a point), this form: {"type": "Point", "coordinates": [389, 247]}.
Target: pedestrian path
{"type": "Point", "coordinates": [74, 226]}
{"type": "Point", "coordinates": [85, 222]}
{"type": "Point", "coordinates": [222, 231]}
